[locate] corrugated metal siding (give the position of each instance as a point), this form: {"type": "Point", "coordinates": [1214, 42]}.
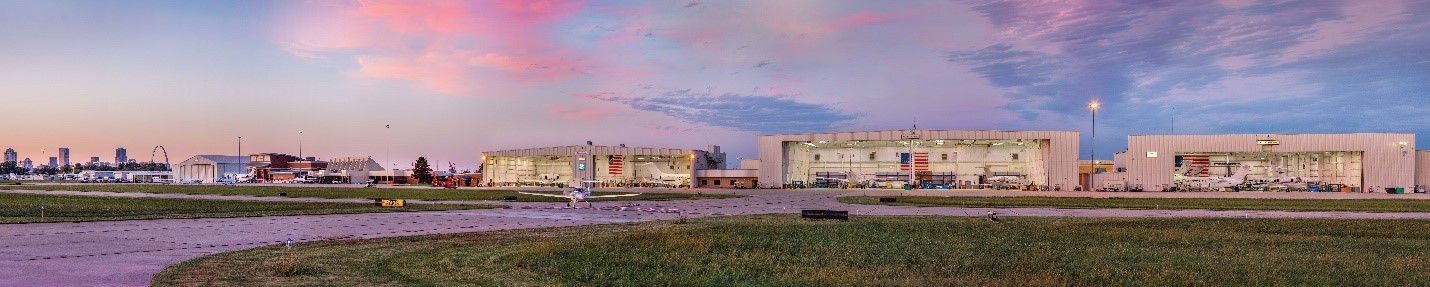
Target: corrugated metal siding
{"type": "Point", "coordinates": [1422, 167]}
{"type": "Point", "coordinates": [1061, 161]}
{"type": "Point", "coordinates": [597, 150]}
{"type": "Point", "coordinates": [1385, 162]}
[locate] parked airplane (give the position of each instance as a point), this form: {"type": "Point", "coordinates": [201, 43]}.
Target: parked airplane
{"type": "Point", "coordinates": [1284, 180]}
{"type": "Point", "coordinates": [578, 194]}
{"type": "Point", "coordinates": [668, 178]}
{"type": "Point", "coordinates": [1215, 181]}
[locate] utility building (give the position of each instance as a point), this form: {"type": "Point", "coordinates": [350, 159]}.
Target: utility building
{"type": "Point", "coordinates": [951, 158]}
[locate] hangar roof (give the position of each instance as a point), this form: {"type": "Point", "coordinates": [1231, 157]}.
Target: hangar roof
{"type": "Point", "coordinates": [591, 149]}
{"type": "Point", "coordinates": [921, 134]}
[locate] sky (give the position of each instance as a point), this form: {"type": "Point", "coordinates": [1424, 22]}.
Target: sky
{"type": "Point", "coordinates": [447, 79]}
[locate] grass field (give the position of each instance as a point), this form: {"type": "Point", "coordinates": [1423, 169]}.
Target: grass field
{"type": "Point", "coordinates": [1371, 205]}
{"type": "Point", "coordinates": [25, 208]}
{"type": "Point", "coordinates": [781, 250]}
{"type": "Point", "coordinates": [349, 192]}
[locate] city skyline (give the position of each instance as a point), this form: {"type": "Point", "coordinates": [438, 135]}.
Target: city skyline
{"type": "Point", "coordinates": [448, 80]}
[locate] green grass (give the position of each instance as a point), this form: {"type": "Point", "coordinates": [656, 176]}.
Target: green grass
{"type": "Point", "coordinates": [1371, 205]}
{"type": "Point", "coordinates": [781, 250]}
{"type": "Point", "coordinates": [349, 192]}
{"type": "Point", "coordinates": [25, 208]}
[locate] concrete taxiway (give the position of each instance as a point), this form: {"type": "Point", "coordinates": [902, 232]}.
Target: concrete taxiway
{"type": "Point", "coordinates": [128, 253]}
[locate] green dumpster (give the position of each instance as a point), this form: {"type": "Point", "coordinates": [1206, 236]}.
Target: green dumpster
{"type": "Point", "coordinates": [1400, 190]}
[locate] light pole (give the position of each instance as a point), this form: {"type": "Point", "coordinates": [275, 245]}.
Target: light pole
{"type": "Point", "coordinates": [300, 145]}
{"type": "Point", "coordinates": [240, 146]}
{"type": "Point", "coordinates": [388, 140]}
{"type": "Point", "coordinates": [848, 175]}
{"type": "Point", "coordinates": [1093, 106]}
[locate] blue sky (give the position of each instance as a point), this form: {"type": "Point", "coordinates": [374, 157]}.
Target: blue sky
{"type": "Point", "coordinates": [458, 78]}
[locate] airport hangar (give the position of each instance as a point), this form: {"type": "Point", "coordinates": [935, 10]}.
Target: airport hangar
{"type": "Point", "coordinates": [1347, 162]}
{"type": "Point", "coordinates": [611, 166]}
{"type": "Point", "coordinates": [960, 158]}
{"type": "Point", "coordinates": [1385, 160]}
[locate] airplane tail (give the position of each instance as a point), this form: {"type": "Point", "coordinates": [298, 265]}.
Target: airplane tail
{"type": "Point", "coordinates": [654, 172]}
{"type": "Point", "coordinates": [1241, 172]}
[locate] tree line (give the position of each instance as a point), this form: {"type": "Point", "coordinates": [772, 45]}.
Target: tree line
{"type": "Point", "coordinates": [11, 167]}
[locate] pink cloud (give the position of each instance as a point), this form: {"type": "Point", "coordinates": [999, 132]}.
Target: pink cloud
{"type": "Point", "coordinates": [1361, 18]}
{"type": "Point", "coordinates": [863, 18]}
{"type": "Point", "coordinates": [447, 46]}
{"type": "Point", "coordinates": [583, 114]}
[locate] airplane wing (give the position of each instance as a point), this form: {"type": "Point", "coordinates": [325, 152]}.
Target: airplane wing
{"type": "Point", "coordinates": [613, 195]}
{"type": "Point", "coordinates": [545, 194]}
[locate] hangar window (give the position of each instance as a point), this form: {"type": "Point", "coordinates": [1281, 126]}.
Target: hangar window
{"type": "Point", "coordinates": [871, 155]}
{"type": "Point", "coordinates": [945, 156]}
{"type": "Point", "coordinates": [816, 157]}
{"type": "Point", "coordinates": [703, 182]}
{"type": "Point", "coordinates": [1015, 156]}
{"type": "Point", "coordinates": [717, 182]}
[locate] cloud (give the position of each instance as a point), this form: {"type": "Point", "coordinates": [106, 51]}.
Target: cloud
{"type": "Point", "coordinates": [1124, 53]}
{"type": "Point", "coordinates": [447, 47]}
{"type": "Point", "coordinates": [581, 114]}
{"type": "Point", "coordinates": [770, 114]}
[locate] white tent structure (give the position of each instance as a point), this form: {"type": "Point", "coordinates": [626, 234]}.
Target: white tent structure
{"type": "Point", "coordinates": [211, 168]}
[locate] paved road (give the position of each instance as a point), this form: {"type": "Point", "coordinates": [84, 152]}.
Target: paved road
{"type": "Point", "coordinates": [128, 253]}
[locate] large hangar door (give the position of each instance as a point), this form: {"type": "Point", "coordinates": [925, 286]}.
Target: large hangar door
{"type": "Point", "coordinates": [967, 163]}
{"type": "Point", "coordinates": [1277, 171]}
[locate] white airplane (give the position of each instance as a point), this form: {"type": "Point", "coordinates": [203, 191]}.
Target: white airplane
{"type": "Point", "coordinates": [861, 179]}
{"type": "Point", "coordinates": [1005, 178]}
{"type": "Point", "coordinates": [578, 194]}
{"type": "Point", "coordinates": [1218, 182]}
{"type": "Point", "coordinates": [1288, 181]}
{"type": "Point", "coordinates": [661, 176]}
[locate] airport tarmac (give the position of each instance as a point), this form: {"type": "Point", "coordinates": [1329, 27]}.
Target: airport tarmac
{"type": "Point", "coordinates": [128, 253]}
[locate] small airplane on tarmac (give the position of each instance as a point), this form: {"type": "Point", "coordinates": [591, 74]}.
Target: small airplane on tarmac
{"type": "Point", "coordinates": [578, 194]}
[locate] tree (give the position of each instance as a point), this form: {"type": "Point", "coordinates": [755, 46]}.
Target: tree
{"type": "Point", "coordinates": [66, 169]}
{"type": "Point", "coordinates": [46, 170]}
{"type": "Point", "coordinates": [10, 167]}
{"type": "Point", "coordinates": [422, 170]}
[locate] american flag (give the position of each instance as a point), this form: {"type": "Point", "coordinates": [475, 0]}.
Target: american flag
{"type": "Point", "coordinates": [1197, 165]}
{"type": "Point", "coordinates": [921, 162]}
{"type": "Point", "coordinates": [617, 164]}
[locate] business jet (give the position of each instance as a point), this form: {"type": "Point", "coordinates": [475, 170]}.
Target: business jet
{"type": "Point", "coordinates": [667, 178]}
{"type": "Point", "coordinates": [1215, 181]}
{"type": "Point", "coordinates": [578, 194]}
{"type": "Point", "coordinates": [1287, 181]}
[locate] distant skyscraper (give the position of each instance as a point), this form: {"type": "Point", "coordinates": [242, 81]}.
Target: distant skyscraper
{"type": "Point", "coordinates": [65, 155]}
{"type": "Point", "coordinates": [54, 161]}
{"type": "Point", "coordinates": [29, 165]}
{"type": "Point", "coordinates": [121, 155]}
{"type": "Point", "coordinates": [10, 155]}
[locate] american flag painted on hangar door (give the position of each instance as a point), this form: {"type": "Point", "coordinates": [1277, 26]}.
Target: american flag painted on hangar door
{"type": "Point", "coordinates": [1197, 165]}
{"type": "Point", "coordinates": [617, 164]}
{"type": "Point", "coordinates": [921, 162]}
